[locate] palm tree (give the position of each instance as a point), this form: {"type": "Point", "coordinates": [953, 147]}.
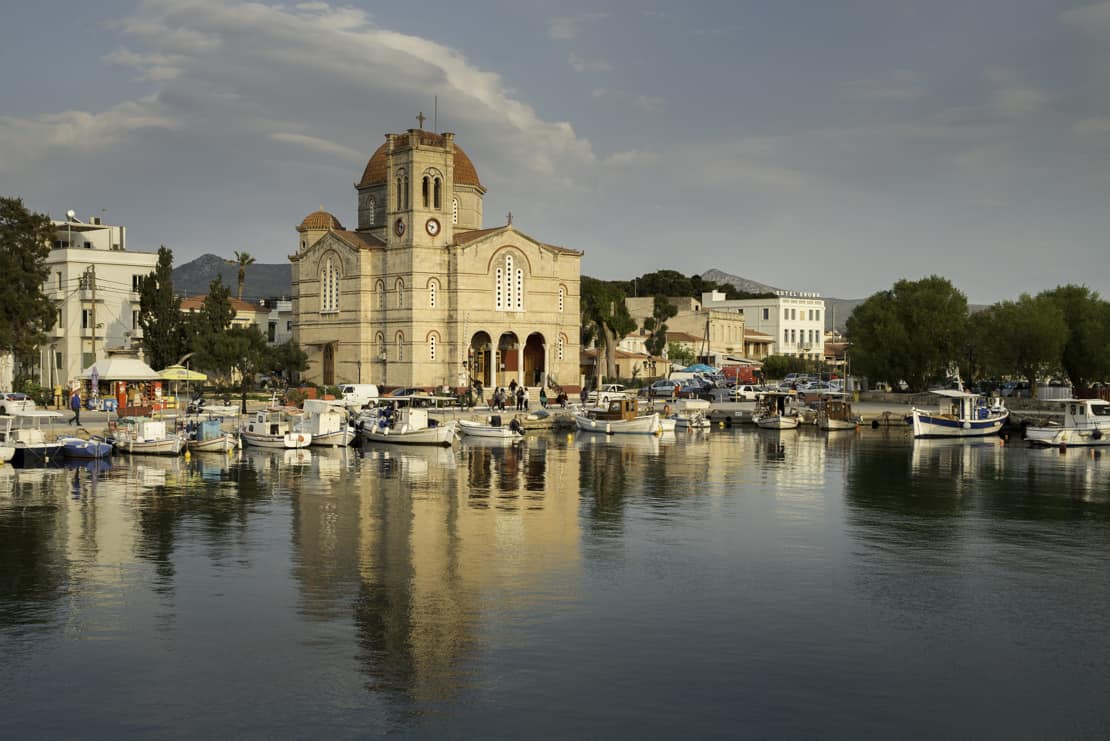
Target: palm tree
{"type": "Point", "coordinates": [242, 259]}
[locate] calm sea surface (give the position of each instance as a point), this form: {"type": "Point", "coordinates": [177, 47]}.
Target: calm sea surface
{"type": "Point", "coordinates": [734, 584]}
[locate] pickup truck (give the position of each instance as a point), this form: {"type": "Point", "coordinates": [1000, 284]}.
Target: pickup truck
{"type": "Point", "coordinates": [607, 392]}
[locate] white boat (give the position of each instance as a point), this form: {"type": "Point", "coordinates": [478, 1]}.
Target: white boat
{"type": "Point", "coordinates": [620, 417]}
{"type": "Point", "coordinates": [275, 428]}
{"type": "Point", "coordinates": [30, 445]}
{"type": "Point", "coordinates": [146, 436]}
{"type": "Point", "coordinates": [966, 415]}
{"type": "Point", "coordinates": [691, 415]}
{"type": "Point", "coordinates": [408, 426]}
{"type": "Point", "coordinates": [835, 413]}
{"type": "Point", "coordinates": [327, 422]}
{"type": "Point", "coordinates": [667, 424]}
{"type": "Point", "coordinates": [1086, 424]}
{"type": "Point", "coordinates": [776, 410]}
{"type": "Point", "coordinates": [7, 450]}
{"type": "Point", "coordinates": [492, 429]}
{"type": "Point", "coordinates": [208, 436]}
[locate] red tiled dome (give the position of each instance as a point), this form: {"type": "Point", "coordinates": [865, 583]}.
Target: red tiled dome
{"type": "Point", "coordinates": [374, 174]}
{"type": "Point", "coordinates": [319, 220]}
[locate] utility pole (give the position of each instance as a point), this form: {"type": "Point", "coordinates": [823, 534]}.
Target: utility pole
{"type": "Point", "coordinates": [92, 286]}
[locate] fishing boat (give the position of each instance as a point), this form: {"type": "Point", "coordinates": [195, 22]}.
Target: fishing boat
{"type": "Point", "coordinates": [7, 450]}
{"type": "Point", "coordinates": [691, 414]}
{"type": "Point", "coordinates": [276, 427]}
{"type": "Point", "coordinates": [208, 436]}
{"type": "Point", "coordinates": [776, 410]}
{"type": "Point", "coordinates": [492, 429]}
{"type": "Point", "coordinates": [406, 425]}
{"type": "Point", "coordinates": [147, 436]}
{"type": "Point", "coordinates": [79, 448]}
{"type": "Point", "coordinates": [30, 443]}
{"type": "Point", "coordinates": [965, 415]}
{"type": "Point", "coordinates": [1086, 424]}
{"type": "Point", "coordinates": [327, 422]}
{"type": "Point", "coordinates": [835, 413]}
{"type": "Point", "coordinates": [620, 417]}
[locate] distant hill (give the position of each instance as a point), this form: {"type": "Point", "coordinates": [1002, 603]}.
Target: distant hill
{"type": "Point", "coordinates": [264, 280]}
{"type": "Point", "coordinates": [837, 310]}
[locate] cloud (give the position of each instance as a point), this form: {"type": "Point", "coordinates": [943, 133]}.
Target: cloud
{"type": "Point", "coordinates": [568, 28]}
{"type": "Point", "coordinates": [320, 146]}
{"type": "Point", "coordinates": [150, 66]}
{"type": "Point", "coordinates": [901, 85]}
{"type": "Point", "coordinates": [646, 103]}
{"type": "Point", "coordinates": [588, 65]}
{"type": "Point", "coordinates": [1093, 19]}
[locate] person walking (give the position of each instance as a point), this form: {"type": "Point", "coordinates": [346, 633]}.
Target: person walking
{"type": "Point", "coordinates": [519, 398]}
{"type": "Point", "coordinates": [543, 399]}
{"type": "Point", "coordinates": [75, 405]}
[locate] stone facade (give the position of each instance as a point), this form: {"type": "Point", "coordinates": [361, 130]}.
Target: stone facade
{"type": "Point", "coordinates": [420, 294]}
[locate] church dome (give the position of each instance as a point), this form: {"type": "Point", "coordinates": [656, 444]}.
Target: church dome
{"type": "Point", "coordinates": [374, 174]}
{"type": "Point", "coordinates": [319, 220]}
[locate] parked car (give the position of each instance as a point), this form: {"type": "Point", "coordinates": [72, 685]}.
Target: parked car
{"type": "Point", "coordinates": [813, 389]}
{"type": "Point", "coordinates": [16, 402]}
{"type": "Point", "coordinates": [662, 389]}
{"type": "Point", "coordinates": [745, 392]}
{"type": "Point", "coordinates": [607, 393]}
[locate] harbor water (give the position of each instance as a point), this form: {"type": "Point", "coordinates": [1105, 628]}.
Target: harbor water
{"type": "Point", "coordinates": [726, 584]}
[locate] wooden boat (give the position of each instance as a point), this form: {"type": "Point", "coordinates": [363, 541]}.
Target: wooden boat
{"type": "Point", "coordinates": [79, 448]}
{"type": "Point", "coordinates": [619, 417]}
{"type": "Point", "coordinates": [146, 436]}
{"type": "Point", "coordinates": [1086, 424]}
{"type": "Point", "coordinates": [967, 415]}
{"type": "Point", "coordinates": [31, 448]}
{"type": "Point", "coordinates": [7, 450]}
{"type": "Point", "coordinates": [327, 422]}
{"type": "Point", "coordinates": [408, 426]}
{"type": "Point", "coordinates": [776, 410]}
{"type": "Point", "coordinates": [835, 413]}
{"type": "Point", "coordinates": [691, 414]}
{"type": "Point", "coordinates": [208, 436]}
{"type": "Point", "coordinates": [275, 428]}
{"type": "Point", "coordinates": [492, 429]}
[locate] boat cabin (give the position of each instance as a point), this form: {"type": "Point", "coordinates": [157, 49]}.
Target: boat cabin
{"type": "Point", "coordinates": [1090, 413]}
{"type": "Point", "coordinates": [618, 409]}
{"type": "Point", "coordinates": [270, 422]}
{"type": "Point", "coordinates": [776, 402]}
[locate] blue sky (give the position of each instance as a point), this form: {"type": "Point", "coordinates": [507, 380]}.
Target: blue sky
{"type": "Point", "coordinates": [823, 146]}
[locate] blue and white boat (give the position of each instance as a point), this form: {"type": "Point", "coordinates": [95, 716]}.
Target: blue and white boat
{"type": "Point", "coordinates": [963, 415]}
{"type": "Point", "coordinates": [79, 448]}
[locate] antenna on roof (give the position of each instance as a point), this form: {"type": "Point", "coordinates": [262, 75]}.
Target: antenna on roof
{"type": "Point", "coordinates": [435, 115]}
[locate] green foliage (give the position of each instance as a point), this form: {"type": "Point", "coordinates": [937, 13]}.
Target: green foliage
{"type": "Point", "coordinates": [25, 311]}
{"type": "Point", "coordinates": [657, 327]}
{"type": "Point", "coordinates": [243, 260]}
{"type": "Point", "coordinates": [165, 336]}
{"type": "Point", "coordinates": [779, 366]}
{"type": "Point", "coordinates": [1086, 353]}
{"type": "Point", "coordinates": [679, 353]}
{"type": "Point", "coordinates": [674, 284]}
{"type": "Point", "coordinates": [286, 360]}
{"type": "Point", "coordinates": [209, 327]}
{"type": "Point", "coordinates": [1023, 337]}
{"type": "Point", "coordinates": [605, 318]}
{"type": "Point", "coordinates": [912, 332]}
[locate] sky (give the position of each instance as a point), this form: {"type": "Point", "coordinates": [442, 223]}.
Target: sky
{"type": "Point", "coordinates": [816, 146]}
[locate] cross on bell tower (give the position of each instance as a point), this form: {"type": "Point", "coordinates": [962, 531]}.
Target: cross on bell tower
{"type": "Point", "coordinates": [421, 119]}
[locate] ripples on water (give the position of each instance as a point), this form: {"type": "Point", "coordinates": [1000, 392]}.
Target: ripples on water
{"type": "Point", "coordinates": [737, 583]}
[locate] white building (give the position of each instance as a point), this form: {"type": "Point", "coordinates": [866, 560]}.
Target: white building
{"type": "Point", "coordinates": [94, 282]}
{"type": "Point", "coordinates": [795, 319]}
{"type": "Point", "coordinates": [275, 320]}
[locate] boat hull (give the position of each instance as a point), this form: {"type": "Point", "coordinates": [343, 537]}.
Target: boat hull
{"type": "Point", "coordinates": [443, 435]}
{"type": "Point", "coordinates": [488, 432]}
{"type": "Point", "coordinates": [930, 425]}
{"type": "Point", "coordinates": [7, 452]}
{"type": "Point", "coordinates": [78, 449]}
{"type": "Point", "coordinates": [1078, 437]}
{"type": "Point", "coordinates": [38, 455]}
{"type": "Point", "coordinates": [647, 425]}
{"type": "Point", "coordinates": [167, 446]}
{"type": "Point", "coordinates": [778, 422]}
{"type": "Point", "coordinates": [222, 444]}
{"type": "Point", "coordinates": [288, 441]}
{"type": "Point", "coordinates": [834, 425]}
{"type": "Point", "coordinates": [338, 439]}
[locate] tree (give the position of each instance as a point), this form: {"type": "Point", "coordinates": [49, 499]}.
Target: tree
{"type": "Point", "coordinates": [25, 310]}
{"type": "Point", "coordinates": [208, 325]}
{"type": "Point", "coordinates": [165, 337]}
{"type": "Point", "coordinates": [779, 366]}
{"type": "Point", "coordinates": [243, 260]}
{"type": "Point", "coordinates": [244, 351]}
{"type": "Point", "coordinates": [1086, 352]}
{"type": "Point", "coordinates": [605, 318]}
{"type": "Point", "coordinates": [679, 353]}
{"type": "Point", "coordinates": [1024, 336]}
{"type": "Point", "coordinates": [286, 360]}
{"type": "Point", "coordinates": [912, 332]}
{"type": "Point", "coordinates": [656, 326]}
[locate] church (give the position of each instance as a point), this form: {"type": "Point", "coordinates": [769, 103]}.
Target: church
{"type": "Point", "coordinates": [421, 294]}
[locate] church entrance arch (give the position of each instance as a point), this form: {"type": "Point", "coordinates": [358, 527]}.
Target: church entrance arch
{"type": "Point", "coordinates": [329, 364]}
{"type": "Point", "coordinates": [508, 359]}
{"type": "Point", "coordinates": [535, 360]}
{"type": "Point", "coordinates": [478, 359]}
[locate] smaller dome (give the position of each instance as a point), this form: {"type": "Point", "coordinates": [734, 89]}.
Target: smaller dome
{"type": "Point", "coordinates": [319, 220]}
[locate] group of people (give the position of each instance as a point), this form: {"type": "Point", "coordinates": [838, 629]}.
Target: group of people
{"type": "Point", "coordinates": [515, 395]}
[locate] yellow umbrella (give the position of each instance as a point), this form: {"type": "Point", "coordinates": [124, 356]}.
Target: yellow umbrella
{"type": "Point", "coordinates": [177, 373]}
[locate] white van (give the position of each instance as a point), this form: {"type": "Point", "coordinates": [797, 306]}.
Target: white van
{"type": "Point", "coordinates": [358, 395]}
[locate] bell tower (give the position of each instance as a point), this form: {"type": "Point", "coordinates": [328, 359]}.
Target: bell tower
{"type": "Point", "coordinates": [421, 193]}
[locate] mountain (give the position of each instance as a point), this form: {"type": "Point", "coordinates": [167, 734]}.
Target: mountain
{"type": "Point", "coordinates": [264, 280]}
{"type": "Point", "coordinates": [837, 310]}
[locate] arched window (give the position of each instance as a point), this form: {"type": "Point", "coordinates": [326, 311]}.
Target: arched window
{"type": "Point", "coordinates": [437, 188]}
{"type": "Point", "coordinates": [561, 348]}
{"type": "Point", "coordinates": [509, 287]}
{"type": "Point", "coordinates": [433, 289]}
{"type": "Point", "coordinates": [562, 298]}
{"type": "Point", "coordinates": [400, 190]}
{"type": "Point", "coordinates": [380, 289]}
{"type": "Point", "coordinates": [405, 190]}
{"type": "Point", "coordinates": [371, 206]}
{"type": "Point", "coordinates": [329, 285]}
{"type": "Point", "coordinates": [432, 341]}
{"type": "Point", "coordinates": [400, 346]}
{"type": "Point", "coordinates": [454, 210]}
{"type": "Point", "coordinates": [400, 293]}
{"type": "Point", "coordinates": [424, 190]}
{"type": "Point", "coordinates": [381, 346]}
